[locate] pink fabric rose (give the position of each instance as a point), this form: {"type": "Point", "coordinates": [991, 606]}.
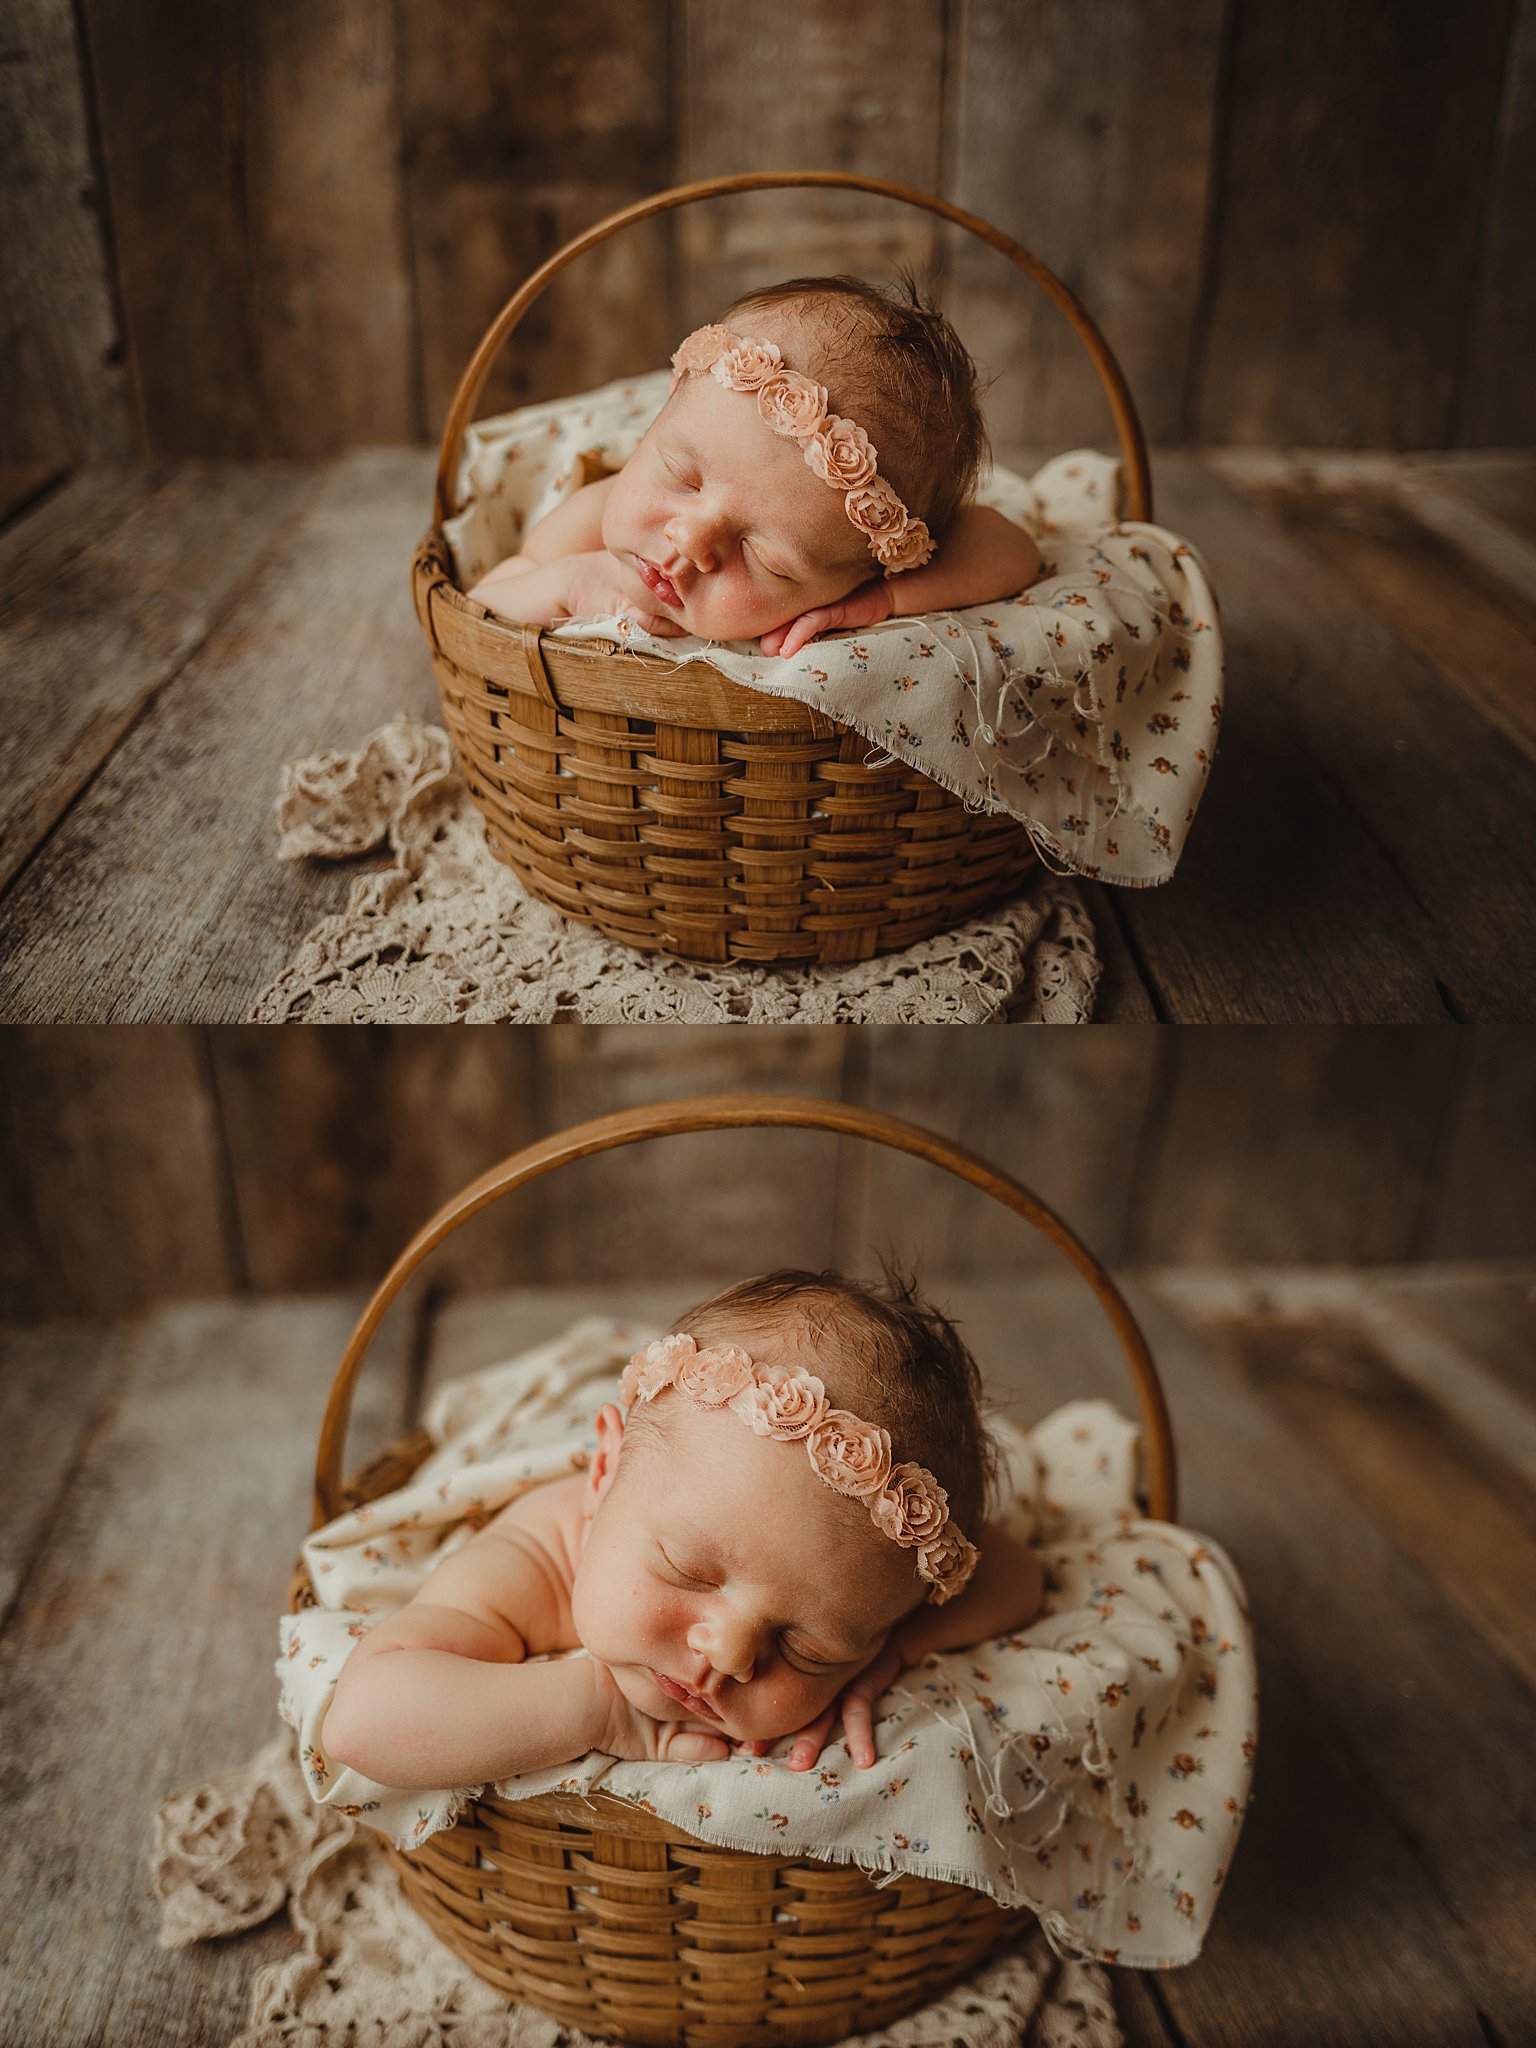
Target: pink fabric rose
{"type": "Point", "coordinates": [913, 546]}
{"type": "Point", "coordinates": [794, 406]}
{"type": "Point", "coordinates": [702, 349]}
{"type": "Point", "coordinates": [875, 509]}
{"type": "Point", "coordinates": [654, 1368]}
{"type": "Point", "coordinates": [714, 1377]}
{"type": "Point", "coordinates": [947, 1563]}
{"type": "Point", "coordinates": [852, 1456]}
{"type": "Point", "coordinates": [783, 1403]}
{"type": "Point", "coordinates": [841, 453]}
{"type": "Point", "coordinates": [748, 365]}
{"type": "Point", "coordinates": [911, 1508]}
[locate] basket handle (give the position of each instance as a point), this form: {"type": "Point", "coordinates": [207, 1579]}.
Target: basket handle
{"type": "Point", "coordinates": [1133, 446]}
{"type": "Point", "coordinates": [741, 1112]}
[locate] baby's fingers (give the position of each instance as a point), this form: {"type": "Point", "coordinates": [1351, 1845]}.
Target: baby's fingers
{"type": "Point", "coordinates": [805, 629]}
{"type": "Point", "coordinates": [811, 1740]}
{"type": "Point", "coordinates": [683, 1745]}
{"type": "Point", "coordinates": [859, 1728]}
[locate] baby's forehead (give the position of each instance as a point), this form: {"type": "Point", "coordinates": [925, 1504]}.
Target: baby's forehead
{"type": "Point", "coordinates": [724, 431]}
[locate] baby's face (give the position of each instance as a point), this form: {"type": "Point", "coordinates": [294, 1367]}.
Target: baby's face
{"type": "Point", "coordinates": [718, 1562]}
{"type": "Point", "coordinates": [741, 534]}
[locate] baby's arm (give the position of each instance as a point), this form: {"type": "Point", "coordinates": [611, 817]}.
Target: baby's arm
{"type": "Point", "coordinates": [565, 572]}
{"type": "Point", "coordinates": [1003, 1593]}
{"type": "Point", "coordinates": [439, 1694]}
{"type": "Point", "coordinates": [982, 559]}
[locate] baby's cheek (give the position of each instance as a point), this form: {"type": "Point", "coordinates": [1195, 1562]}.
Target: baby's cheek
{"type": "Point", "coordinates": [781, 1702]}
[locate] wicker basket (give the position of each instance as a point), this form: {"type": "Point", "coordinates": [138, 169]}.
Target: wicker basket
{"type": "Point", "coordinates": [620, 1923]}
{"type": "Point", "coordinates": [679, 811]}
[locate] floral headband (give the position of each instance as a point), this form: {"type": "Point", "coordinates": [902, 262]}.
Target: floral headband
{"type": "Point", "coordinates": [840, 452]}
{"type": "Point", "coordinates": [851, 1456]}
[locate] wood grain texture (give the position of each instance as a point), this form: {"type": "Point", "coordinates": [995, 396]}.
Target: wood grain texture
{"type": "Point", "coordinates": [264, 139]}
{"type": "Point", "coordinates": [61, 359]}
{"type": "Point", "coordinates": [454, 1106]}
{"type": "Point", "coordinates": [1327, 326]}
{"type": "Point", "coordinates": [1501, 484]}
{"type": "Point", "coordinates": [720, 1204]}
{"type": "Point", "coordinates": [1483, 1314]}
{"type": "Point", "coordinates": [1351, 1849]}
{"type": "Point", "coordinates": [1398, 1678]}
{"type": "Point", "coordinates": [170, 110]}
{"type": "Point", "coordinates": [23, 484]}
{"type": "Point", "coordinates": [1485, 1197]}
{"type": "Point", "coordinates": [54, 1382]}
{"type": "Point", "coordinates": [109, 586]}
{"type": "Point", "coordinates": [1496, 402]}
{"type": "Point", "coordinates": [1343, 742]}
{"type": "Point", "coordinates": [1103, 169]}
{"type": "Point", "coordinates": [1122, 996]}
{"type": "Point", "coordinates": [516, 136]}
{"type": "Point", "coordinates": [866, 96]}
{"type": "Point", "coordinates": [1032, 1103]}
{"type": "Point", "coordinates": [160, 897]}
{"type": "Point", "coordinates": [123, 1194]}
{"type": "Point", "coordinates": [1450, 603]}
{"type": "Point", "coordinates": [331, 297]}
{"type": "Point", "coordinates": [1448, 1498]}
{"type": "Point", "coordinates": [1295, 1145]}
{"type": "Point", "coordinates": [139, 1659]}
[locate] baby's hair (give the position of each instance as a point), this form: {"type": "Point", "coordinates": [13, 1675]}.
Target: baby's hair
{"type": "Point", "coordinates": [893, 1358]}
{"type": "Point", "coordinates": [892, 362]}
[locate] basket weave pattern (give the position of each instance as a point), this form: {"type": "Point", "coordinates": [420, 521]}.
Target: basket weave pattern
{"type": "Point", "coordinates": [621, 1924]}
{"type": "Point", "coordinates": [597, 1911]}
{"type": "Point", "coordinates": [688, 814]}
{"type": "Point", "coordinates": [679, 811]}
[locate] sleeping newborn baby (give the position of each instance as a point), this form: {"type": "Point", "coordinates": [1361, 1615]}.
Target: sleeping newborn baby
{"type": "Point", "coordinates": [768, 1531]}
{"type": "Point", "coordinates": [811, 470]}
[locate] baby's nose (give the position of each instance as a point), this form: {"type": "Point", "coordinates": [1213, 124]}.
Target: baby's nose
{"type": "Point", "coordinates": [696, 541]}
{"type": "Point", "coordinates": [729, 1645]}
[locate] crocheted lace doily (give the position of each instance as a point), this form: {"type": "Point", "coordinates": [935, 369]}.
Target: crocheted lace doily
{"type": "Point", "coordinates": [230, 1854]}
{"type": "Point", "coordinates": [446, 933]}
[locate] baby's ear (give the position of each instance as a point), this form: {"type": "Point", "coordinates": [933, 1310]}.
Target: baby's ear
{"type": "Point", "coordinates": [605, 1459]}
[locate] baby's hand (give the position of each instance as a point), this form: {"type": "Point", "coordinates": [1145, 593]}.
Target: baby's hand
{"type": "Point", "coordinates": [866, 606]}
{"type": "Point", "coordinates": [636, 1738]}
{"type": "Point", "coordinates": [856, 1704]}
{"type": "Point", "coordinates": [599, 586]}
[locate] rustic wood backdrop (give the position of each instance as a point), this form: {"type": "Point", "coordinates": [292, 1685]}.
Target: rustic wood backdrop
{"type": "Point", "coordinates": [278, 230]}
{"type": "Point", "coordinates": [153, 1161]}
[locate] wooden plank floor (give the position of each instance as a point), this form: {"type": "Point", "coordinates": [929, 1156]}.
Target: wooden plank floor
{"type": "Point", "coordinates": [1367, 851]}
{"type": "Point", "coordinates": [1362, 1443]}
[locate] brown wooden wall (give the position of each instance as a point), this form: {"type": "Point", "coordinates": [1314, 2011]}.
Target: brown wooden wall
{"type": "Point", "coordinates": [148, 1161]}
{"type": "Point", "coordinates": [278, 229]}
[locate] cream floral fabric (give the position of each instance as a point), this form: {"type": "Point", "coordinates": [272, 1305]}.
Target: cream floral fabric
{"type": "Point", "coordinates": [1087, 708]}
{"type": "Point", "coordinates": [1093, 1767]}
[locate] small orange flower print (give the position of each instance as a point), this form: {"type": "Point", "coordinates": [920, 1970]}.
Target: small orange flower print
{"type": "Point", "coordinates": [1185, 1819]}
